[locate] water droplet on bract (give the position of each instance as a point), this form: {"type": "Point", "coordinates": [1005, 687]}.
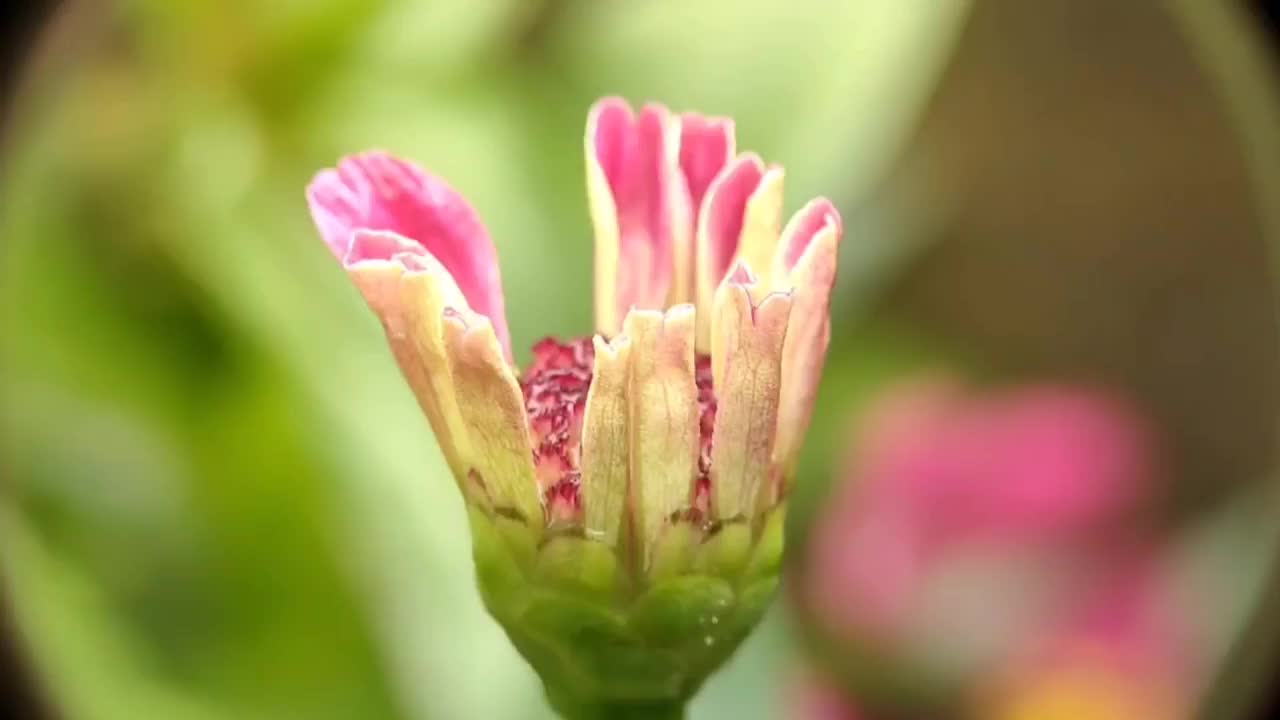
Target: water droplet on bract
{"type": "Point", "coordinates": [715, 620]}
{"type": "Point", "coordinates": [709, 640]}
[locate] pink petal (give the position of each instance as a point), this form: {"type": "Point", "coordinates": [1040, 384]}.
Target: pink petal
{"type": "Point", "coordinates": [379, 245]}
{"type": "Point", "coordinates": [723, 216]}
{"type": "Point", "coordinates": [632, 151]}
{"type": "Point", "coordinates": [376, 191]}
{"type": "Point", "coordinates": [811, 276]}
{"type": "Point", "coordinates": [807, 224]}
{"type": "Point", "coordinates": [1072, 460]}
{"type": "Point", "coordinates": [706, 146]}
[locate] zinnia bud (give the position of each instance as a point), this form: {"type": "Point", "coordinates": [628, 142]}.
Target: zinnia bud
{"type": "Point", "coordinates": [626, 490]}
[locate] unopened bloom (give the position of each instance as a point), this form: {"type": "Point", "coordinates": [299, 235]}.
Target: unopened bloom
{"type": "Point", "coordinates": [626, 490]}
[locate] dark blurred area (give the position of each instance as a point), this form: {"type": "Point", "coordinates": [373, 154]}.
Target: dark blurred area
{"type": "Point", "coordinates": [205, 523]}
{"type": "Point", "coordinates": [1120, 183]}
{"type": "Point", "coordinates": [20, 24]}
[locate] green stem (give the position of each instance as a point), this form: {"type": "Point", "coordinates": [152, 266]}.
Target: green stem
{"type": "Point", "coordinates": [574, 708]}
{"type": "Point", "coordinates": [623, 711]}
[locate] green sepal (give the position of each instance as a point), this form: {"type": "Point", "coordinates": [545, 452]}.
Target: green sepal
{"type": "Point", "coordinates": [725, 552]}
{"type": "Point", "coordinates": [681, 612]}
{"type": "Point", "coordinates": [574, 563]}
{"type": "Point", "coordinates": [611, 640]}
{"type": "Point", "coordinates": [503, 550]}
{"type": "Point", "coordinates": [766, 556]}
{"type": "Point", "coordinates": [673, 553]}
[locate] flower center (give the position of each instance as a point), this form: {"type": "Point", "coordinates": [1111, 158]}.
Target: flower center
{"type": "Point", "coordinates": [555, 396]}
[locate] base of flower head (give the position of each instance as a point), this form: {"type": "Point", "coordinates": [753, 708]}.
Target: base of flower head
{"type": "Point", "coordinates": [606, 641]}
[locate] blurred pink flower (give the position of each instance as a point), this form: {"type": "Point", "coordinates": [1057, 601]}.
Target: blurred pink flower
{"type": "Point", "coordinates": [814, 697]}
{"type": "Point", "coordinates": [1127, 649]}
{"type": "Point", "coordinates": [997, 544]}
{"type": "Point", "coordinates": [940, 469]}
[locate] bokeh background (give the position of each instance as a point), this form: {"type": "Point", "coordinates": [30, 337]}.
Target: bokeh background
{"type": "Point", "coordinates": [219, 500]}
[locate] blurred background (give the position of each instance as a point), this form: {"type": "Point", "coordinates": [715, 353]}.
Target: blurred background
{"type": "Point", "coordinates": [1041, 481]}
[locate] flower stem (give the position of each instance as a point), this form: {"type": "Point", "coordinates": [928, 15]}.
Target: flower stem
{"type": "Point", "coordinates": [574, 708]}
{"type": "Point", "coordinates": [624, 711]}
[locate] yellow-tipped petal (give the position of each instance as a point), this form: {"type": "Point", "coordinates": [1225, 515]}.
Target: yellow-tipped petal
{"type": "Point", "coordinates": [664, 417]}
{"type": "Point", "coordinates": [409, 304]}
{"type": "Point", "coordinates": [604, 221]}
{"type": "Point", "coordinates": [500, 454]}
{"type": "Point", "coordinates": [762, 223]}
{"type": "Point", "coordinates": [683, 241]}
{"type": "Point", "coordinates": [739, 221]}
{"type": "Point", "coordinates": [811, 278]}
{"type": "Point", "coordinates": [706, 146]}
{"type": "Point", "coordinates": [747, 341]}
{"type": "Point", "coordinates": [637, 206]}
{"type": "Point", "coordinates": [605, 440]}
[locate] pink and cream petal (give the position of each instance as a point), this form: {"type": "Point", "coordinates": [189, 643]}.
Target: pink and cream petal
{"type": "Point", "coordinates": [664, 417]}
{"type": "Point", "coordinates": [409, 300]}
{"type": "Point", "coordinates": [604, 128]}
{"type": "Point", "coordinates": [740, 220]}
{"type": "Point", "coordinates": [377, 191]}
{"type": "Point", "coordinates": [335, 209]}
{"type": "Point", "coordinates": [806, 262]}
{"type": "Point", "coordinates": [747, 344]}
{"type": "Point", "coordinates": [707, 144]}
{"type": "Point", "coordinates": [371, 245]}
{"type": "Point", "coordinates": [632, 191]}
{"type": "Point", "coordinates": [762, 224]}
{"type": "Point", "coordinates": [491, 406]}
{"type": "Point", "coordinates": [606, 440]}
{"type": "Point", "coordinates": [801, 230]}
{"type": "Point", "coordinates": [720, 226]}
{"type": "Point", "coordinates": [706, 147]}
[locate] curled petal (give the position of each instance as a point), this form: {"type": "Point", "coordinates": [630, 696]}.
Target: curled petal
{"type": "Point", "coordinates": [805, 226]}
{"type": "Point", "coordinates": [500, 457]}
{"type": "Point", "coordinates": [664, 417]}
{"type": "Point", "coordinates": [762, 222]}
{"type": "Point", "coordinates": [746, 351]}
{"type": "Point", "coordinates": [740, 219]}
{"type": "Point", "coordinates": [606, 439]}
{"type": "Point", "coordinates": [377, 191]}
{"type": "Point", "coordinates": [374, 245]}
{"type": "Point", "coordinates": [706, 147]}
{"type": "Point", "coordinates": [631, 187]}
{"type": "Point", "coordinates": [805, 263]}
{"type": "Point", "coordinates": [409, 301]}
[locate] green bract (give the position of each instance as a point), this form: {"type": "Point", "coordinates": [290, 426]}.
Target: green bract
{"type": "Point", "coordinates": [611, 642]}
